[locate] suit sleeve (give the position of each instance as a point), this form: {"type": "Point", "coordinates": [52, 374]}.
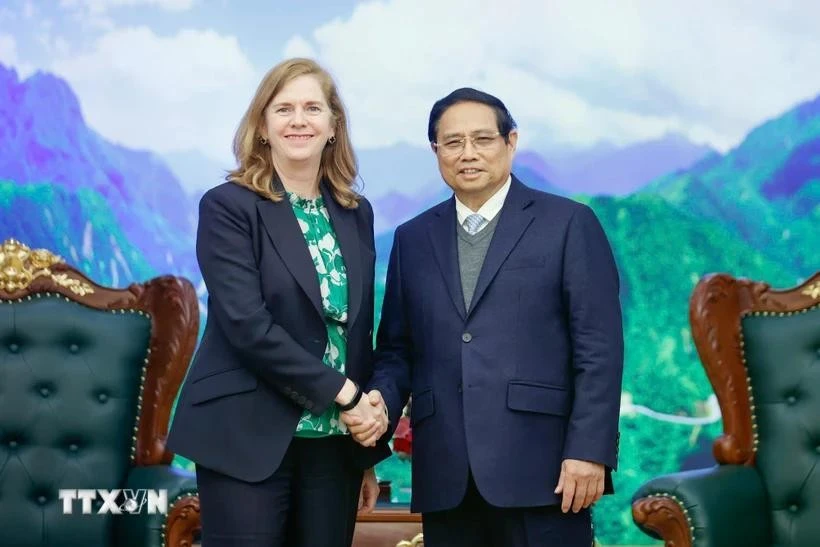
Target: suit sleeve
{"type": "Point", "coordinates": [367, 457]}
{"type": "Point", "coordinates": [226, 259]}
{"type": "Point", "coordinates": [394, 346]}
{"type": "Point", "coordinates": [590, 290]}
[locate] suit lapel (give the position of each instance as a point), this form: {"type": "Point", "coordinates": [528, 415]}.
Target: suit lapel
{"type": "Point", "coordinates": [347, 236]}
{"type": "Point", "coordinates": [445, 248]}
{"type": "Point", "coordinates": [283, 229]}
{"type": "Point", "coordinates": [512, 223]}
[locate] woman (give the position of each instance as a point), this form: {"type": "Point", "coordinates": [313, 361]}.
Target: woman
{"type": "Point", "coordinates": [286, 250]}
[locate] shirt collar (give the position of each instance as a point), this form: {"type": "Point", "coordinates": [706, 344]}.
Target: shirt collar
{"type": "Point", "coordinates": [490, 208]}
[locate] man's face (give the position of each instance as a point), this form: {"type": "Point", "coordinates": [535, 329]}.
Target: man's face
{"type": "Point", "coordinates": [476, 171]}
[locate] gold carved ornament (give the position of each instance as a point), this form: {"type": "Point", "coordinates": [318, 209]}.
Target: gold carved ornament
{"type": "Point", "coordinates": [415, 542]}
{"type": "Point", "coordinates": [20, 265]}
{"type": "Point", "coordinates": [812, 290]}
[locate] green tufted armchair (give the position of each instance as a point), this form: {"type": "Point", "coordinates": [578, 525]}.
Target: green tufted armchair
{"type": "Point", "coordinates": [88, 375]}
{"type": "Point", "coordinates": [761, 352]}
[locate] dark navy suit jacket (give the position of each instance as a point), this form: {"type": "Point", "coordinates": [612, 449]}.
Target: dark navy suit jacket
{"type": "Point", "coordinates": [259, 364]}
{"type": "Point", "coordinates": [527, 377]}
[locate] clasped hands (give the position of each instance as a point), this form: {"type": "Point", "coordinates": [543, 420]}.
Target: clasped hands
{"type": "Point", "coordinates": [367, 421]}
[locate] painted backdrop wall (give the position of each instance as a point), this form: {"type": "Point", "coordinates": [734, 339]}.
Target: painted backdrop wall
{"type": "Point", "coordinates": [693, 130]}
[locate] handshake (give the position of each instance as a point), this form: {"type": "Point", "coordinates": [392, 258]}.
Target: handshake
{"type": "Point", "coordinates": [367, 421]}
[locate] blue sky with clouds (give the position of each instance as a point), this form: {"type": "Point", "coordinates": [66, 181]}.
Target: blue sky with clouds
{"type": "Point", "coordinates": [37, 25]}
{"type": "Point", "coordinates": [175, 75]}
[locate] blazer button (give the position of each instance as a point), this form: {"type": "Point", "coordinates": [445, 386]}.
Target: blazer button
{"type": "Point", "coordinates": [466, 337]}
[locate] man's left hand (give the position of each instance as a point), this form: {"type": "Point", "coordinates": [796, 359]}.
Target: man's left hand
{"type": "Point", "coordinates": [369, 494]}
{"type": "Point", "coordinates": [582, 484]}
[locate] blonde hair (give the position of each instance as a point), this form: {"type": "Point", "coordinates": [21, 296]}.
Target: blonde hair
{"type": "Point", "coordinates": [254, 167]}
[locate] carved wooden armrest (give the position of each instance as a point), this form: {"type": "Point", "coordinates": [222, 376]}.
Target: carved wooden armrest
{"type": "Point", "coordinates": [665, 517]}
{"type": "Point", "coordinates": [723, 506]}
{"type": "Point", "coordinates": [182, 523]}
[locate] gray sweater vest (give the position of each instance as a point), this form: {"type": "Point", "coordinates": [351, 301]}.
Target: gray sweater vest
{"type": "Point", "coordinates": [471, 252]}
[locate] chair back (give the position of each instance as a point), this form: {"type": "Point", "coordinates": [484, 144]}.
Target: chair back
{"type": "Point", "coordinates": [88, 375]}
{"type": "Point", "coordinates": [761, 350]}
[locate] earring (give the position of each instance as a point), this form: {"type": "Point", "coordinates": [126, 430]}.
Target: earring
{"type": "Point", "coordinates": [332, 139]}
{"type": "Point", "coordinates": [263, 140]}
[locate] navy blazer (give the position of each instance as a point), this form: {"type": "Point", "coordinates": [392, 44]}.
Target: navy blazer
{"type": "Point", "coordinates": [527, 377]}
{"type": "Point", "coordinates": [259, 364]}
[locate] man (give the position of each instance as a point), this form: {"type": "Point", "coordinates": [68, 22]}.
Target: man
{"type": "Point", "coordinates": [501, 316]}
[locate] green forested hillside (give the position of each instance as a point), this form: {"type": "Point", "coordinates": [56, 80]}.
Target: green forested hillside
{"type": "Point", "coordinates": [79, 226]}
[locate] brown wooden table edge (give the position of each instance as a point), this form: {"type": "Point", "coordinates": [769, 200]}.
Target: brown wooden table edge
{"type": "Point", "coordinates": [389, 515]}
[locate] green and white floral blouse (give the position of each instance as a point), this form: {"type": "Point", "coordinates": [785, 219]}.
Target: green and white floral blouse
{"type": "Point", "coordinates": [314, 221]}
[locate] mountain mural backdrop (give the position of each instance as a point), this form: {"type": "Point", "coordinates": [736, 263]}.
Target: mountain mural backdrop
{"type": "Point", "coordinates": [673, 211]}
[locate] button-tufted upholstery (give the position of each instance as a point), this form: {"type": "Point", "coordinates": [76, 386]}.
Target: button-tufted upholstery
{"type": "Point", "coordinates": [66, 414]}
{"type": "Point", "coordinates": [761, 351]}
{"type": "Point", "coordinates": [783, 362]}
{"type": "Point", "coordinates": [87, 377]}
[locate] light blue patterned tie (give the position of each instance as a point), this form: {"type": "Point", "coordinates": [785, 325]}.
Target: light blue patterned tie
{"type": "Point", "coordinates": [473, 223]}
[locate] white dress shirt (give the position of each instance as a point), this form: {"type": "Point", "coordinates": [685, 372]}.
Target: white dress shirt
{"type": "Point", "coordinates": [490, 208]}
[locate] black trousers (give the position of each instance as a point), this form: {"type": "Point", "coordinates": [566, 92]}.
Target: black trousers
{"type": "Point", "coordinates": [476, 523]}
{"type": "Point", "coordinates": [310, 501]}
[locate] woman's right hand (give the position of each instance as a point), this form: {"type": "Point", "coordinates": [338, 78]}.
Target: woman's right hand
{"type": "Point", "coordinates": [367, 421]}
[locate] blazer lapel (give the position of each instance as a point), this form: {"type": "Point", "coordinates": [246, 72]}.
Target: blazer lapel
{"type": "Point", "coordinates": [284, 231]}
{"type": "Point", "coordinates": [347, 236]}
{"type": "Point", "coordinates": [512, 223]}
{"type": "Point", "coordinates": [445, 248]}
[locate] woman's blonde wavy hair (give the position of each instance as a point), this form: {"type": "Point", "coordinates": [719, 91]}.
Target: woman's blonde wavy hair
{"type": "Point", "coordinates": [254, 168]}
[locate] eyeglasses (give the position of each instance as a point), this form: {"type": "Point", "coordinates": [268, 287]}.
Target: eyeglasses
{"type": "Point", "coordinates": [454, 146]}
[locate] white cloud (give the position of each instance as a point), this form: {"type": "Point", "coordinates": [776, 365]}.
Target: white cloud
{"type": "Point", "coordinates": [8, 50]}
{"type": "Point", "coordinates": [101, 6]}
{"type": "Point", "coordinates": [94, 16]}
{"type": "Point", "coordinates": [29, 9]}
{"type": "Point", "coordinates": [575, 71]}
{"type": "Point", "coordinates": [297, 46]}
{"type": "Point", "coordinates": [10, 57]}
{"type": "Point", "coordinates": [164, 93]}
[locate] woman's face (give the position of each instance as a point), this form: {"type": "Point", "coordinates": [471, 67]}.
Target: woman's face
{"type": "Point", "coordinates": [298, 122]}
